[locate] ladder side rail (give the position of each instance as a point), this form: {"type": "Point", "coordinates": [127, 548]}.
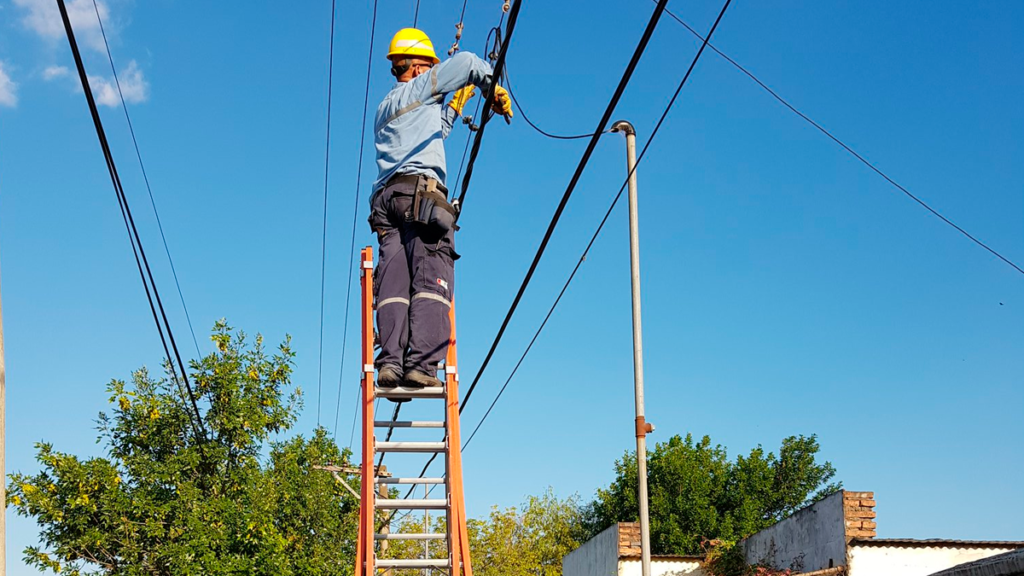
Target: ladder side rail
{"type": "Point", "coordinates": [365, 557]}
{"type": "Point", "coordinates": [457, 528]}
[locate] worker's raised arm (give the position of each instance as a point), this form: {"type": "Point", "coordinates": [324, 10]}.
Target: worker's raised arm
{"type": "Point", "coordinates": [454, 73]}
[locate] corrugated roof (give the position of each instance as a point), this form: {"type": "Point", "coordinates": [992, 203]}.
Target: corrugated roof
{"type": "Point", "coordinates": [1008, 564]}
{"type": "Point", "coordinates": [936, 543]}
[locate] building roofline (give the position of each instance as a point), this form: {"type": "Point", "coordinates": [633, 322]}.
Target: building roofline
{"type": "Point", "coordinates": [935, 543]}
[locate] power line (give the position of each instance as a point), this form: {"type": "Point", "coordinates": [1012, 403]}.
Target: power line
{"type": "Point", "coordinates": [847, 148]}
{"type": "Point", "coordinates": [133, 233]}
{"type": "Point", "coordinates": [355, 213]}
{"type": "Point", "coordinates": [416, 14]}
{"type": "Point", "coordinates": [522, 113]}
{"type": "Point", "coordinates": [145, 177]}
{"type": "Point", "coordinates": [499, 66]}
{"type": "Point", "coordinates": [637, 53]}
{"type": "Point", "coordinates": [323, 242]}
{"type": "Point", "coordinates": [600, 226]}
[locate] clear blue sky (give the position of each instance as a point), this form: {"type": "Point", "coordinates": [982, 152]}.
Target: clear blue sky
{"type": "Point", "coordinates": [787, 289]}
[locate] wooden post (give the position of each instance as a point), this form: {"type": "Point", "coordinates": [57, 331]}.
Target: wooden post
{"type": "Point", "coordinates": [3, 449]}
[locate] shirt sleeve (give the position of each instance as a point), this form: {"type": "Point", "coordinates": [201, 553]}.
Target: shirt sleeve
{"type": "Point", "coordinates": [448, 117]}
{"type": "Point", "coordinates": [452, 74]}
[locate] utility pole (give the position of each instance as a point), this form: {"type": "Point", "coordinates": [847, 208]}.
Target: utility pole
{"type": "Point", "coordinates": [3, 451]}
{"type": "Point", "coordinates": [642, 426]}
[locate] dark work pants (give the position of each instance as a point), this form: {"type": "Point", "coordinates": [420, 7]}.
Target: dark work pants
{"type": "Point", "coordinates": [413, 284]}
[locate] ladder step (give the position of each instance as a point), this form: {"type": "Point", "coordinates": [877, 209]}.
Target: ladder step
{"type": "Point", "coordinates": [410, 446]}
{"type": "Point", "coordinates": [411, 504]}
{"type": "Point", "coordinates": [441, 563]}
{"type": "Point", "coordinates": [410, 536]}
{"type": "Point", "coordinates": [407, 424]}
{"type": "Point", "coordinates": [400, 392]}
{"type": "Point", "coordinates": [410, 480]}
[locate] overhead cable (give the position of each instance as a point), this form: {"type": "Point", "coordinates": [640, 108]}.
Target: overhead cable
{"type": "Point", "coordinates": [842, 144]}
{"type": "Point", "coordinates": [602, 124]}
{"type": "Point", "coordinates": [133, 233]}
{"type": "Point", "coordinates": [600, 226]}
{"type": "Point", "coordinates": [355, 214]}
{"type": "Point", "coordinates": [323, 242]}
{"type": "Point", "coordinates": [522, 113]}
{"type": "Point", "coordinates": [145, 177]}
{"type": "Point", "coordinates": [499, 66]}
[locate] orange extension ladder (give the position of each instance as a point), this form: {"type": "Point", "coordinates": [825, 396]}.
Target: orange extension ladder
{"type": "Point", "coordinates": [373, 506]}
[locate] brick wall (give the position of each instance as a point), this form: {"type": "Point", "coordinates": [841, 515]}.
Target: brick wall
{"type": "Point", "coordinates": [859, 514]}
{"type": "Point", "coordinates": [629, 539]}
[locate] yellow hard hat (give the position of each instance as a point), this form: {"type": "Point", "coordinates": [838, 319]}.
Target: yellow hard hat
{"type": "Point", "coordinates": [412, 42]}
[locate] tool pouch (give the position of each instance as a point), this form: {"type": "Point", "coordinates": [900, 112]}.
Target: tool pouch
{"type": "Point", "coordinates": [430, 207]}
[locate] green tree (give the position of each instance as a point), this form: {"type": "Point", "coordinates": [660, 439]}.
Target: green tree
{"type": "Point", "coordinates": [165, 501]}
{"type": "Point", "coordinates": [696, 492]}
{"type": "Point", "coordinates": [527, 541]}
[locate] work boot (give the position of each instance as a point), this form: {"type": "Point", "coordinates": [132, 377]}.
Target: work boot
{"type": "Point", "coordinates": [389, 377]}
{"type": "Point", "coordinates": [417, 378]}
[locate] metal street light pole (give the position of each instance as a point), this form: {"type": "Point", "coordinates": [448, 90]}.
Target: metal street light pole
{"type": "Point", "coordinates": [642, 426]}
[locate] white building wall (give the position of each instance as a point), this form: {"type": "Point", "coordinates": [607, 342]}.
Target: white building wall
{"type": "Point", "coordinates": [912, 561]}
{"type": "Point", "coordinates": [632, 567]}
{"type": "Point", "coordinates": [812, 539]}
{"type": "Point", "coordinates": [598, 557]}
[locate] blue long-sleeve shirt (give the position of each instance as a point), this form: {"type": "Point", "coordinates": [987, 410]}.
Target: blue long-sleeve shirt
{"type": "Point", "coordinates": [413, 121]}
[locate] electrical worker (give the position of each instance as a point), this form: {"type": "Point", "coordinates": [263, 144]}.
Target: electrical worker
{"type": "Point", "coordinates": [409, 209]}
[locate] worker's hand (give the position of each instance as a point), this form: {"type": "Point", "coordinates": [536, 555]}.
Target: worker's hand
{"type": "Point", "coordinates": [462, 95]}
{"type": "Point", "coordinates": [502, 102]}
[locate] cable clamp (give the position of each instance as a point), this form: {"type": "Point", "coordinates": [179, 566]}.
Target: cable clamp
{"type": "Point", "coordinates": [506, 6]}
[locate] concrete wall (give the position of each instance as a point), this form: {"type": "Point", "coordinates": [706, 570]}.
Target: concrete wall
{"type": "Point", "coordinates": [812, 539]}
{"type": "Point", "coordinates": [662, 567]}
{"type": "Point", "coordinates": [598, 557]}
{"type": "Point", "coordinates": [874, 560]}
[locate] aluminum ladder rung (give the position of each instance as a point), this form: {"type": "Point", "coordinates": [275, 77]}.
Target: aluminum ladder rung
{"type": "Point", "coordinates": [407, 424]}
{"type": "Point", "coordinates": [412, 504]}
{"type": "Point", "coordinates": [410, 480]}
{"type": "Point", "coordinates": [410, 536]}
{"type": "Point", "coordinates": [441, 563]}
{"type": "Point", "coordinates": [408, 393]}
{"type": "Point", "coordinates": [410, 447]}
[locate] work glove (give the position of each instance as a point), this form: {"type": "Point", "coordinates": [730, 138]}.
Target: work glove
{"type": "Point", "coordinates": [502, 102]}
{"type": "Point", "coordinates": [461, 97]}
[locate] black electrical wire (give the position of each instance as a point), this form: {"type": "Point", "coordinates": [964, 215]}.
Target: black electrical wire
{"type": "Point", "coordinates": [323, 242]}
{"type": "Point", "coordinates": [145, 177]}
{"type": "Point", "coordinates": [845, 147]}
{"type": "Point", "coordinates": [600, 226]}
{"type": "Point", "coordinates": [133, 234]}
{"type": "Point", "coordinates": [355, 214]}
{"type": "Point", "coordinates": [572, 183]}
{"type": "Point", "coordinates": [416, 14]}
{"type": "Point", "coordinates": [499, 66]}
{"type": "Point", "coordinates": [522, 113]}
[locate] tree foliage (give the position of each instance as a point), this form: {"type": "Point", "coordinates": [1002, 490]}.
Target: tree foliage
{"type": "Point", "coordinates": [165, 501]}
{"type": "Point", "coordinates": [696, 492]}
{"type": "Point", "coordinates": [527, 541]}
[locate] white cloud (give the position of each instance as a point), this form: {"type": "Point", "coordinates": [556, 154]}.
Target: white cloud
{"type": "Point", "coordinates": [55, 72]}
{"type": "Point", "coordinates": [133, 86]}
{"type": "Point", "coordinates": [8, 89]}
{"type": "Point", "coordinates": [43, 18]}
